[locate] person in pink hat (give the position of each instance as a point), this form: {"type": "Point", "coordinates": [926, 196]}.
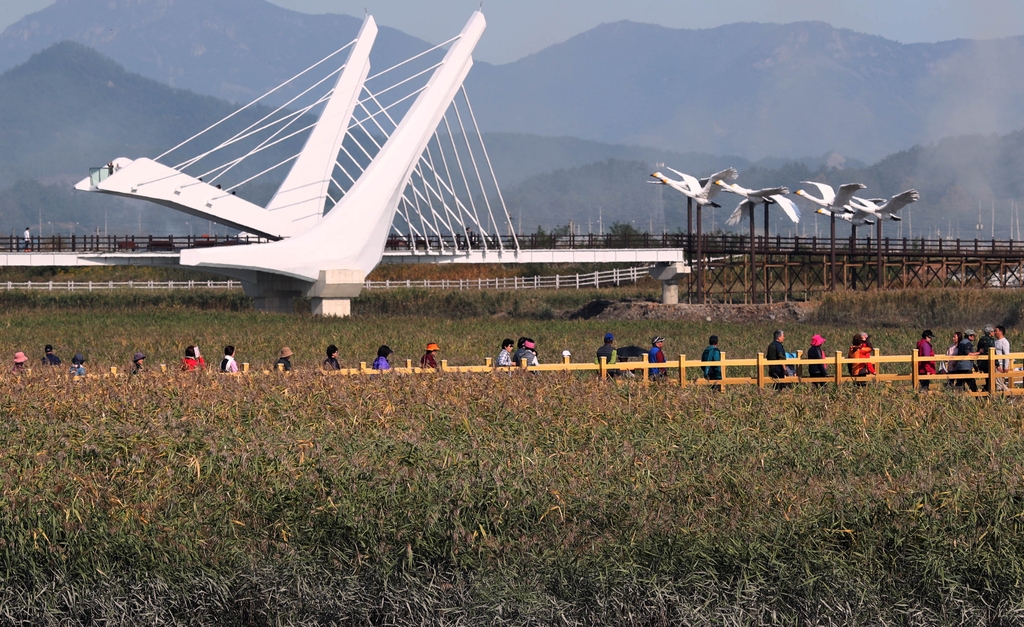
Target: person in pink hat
{"type": "Point", "coordinates": [816, 351]}
{"type": "Point", "coordinates": [19, 362]}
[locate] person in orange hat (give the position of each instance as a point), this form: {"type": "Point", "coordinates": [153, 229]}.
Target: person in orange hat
{"type": "Point", "coordinates": [19, 362]}
{"type": "Point", "coordinates": [429, 359]}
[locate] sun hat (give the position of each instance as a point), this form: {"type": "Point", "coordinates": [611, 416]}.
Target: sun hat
{"type": "Point", "coordinates": [139, 356]}
{"type": "Point", "coordinates": [285, 352]}
{"type": "Point", "coordinates": [608, 337]}
{"type": "Point", "coordinates": [817, 340]}
{"type": "Point", "coordinates": [529, 344]}
{"type": "Point", "coordinates": [969, 332]}
{"type": "Point", "coordinates": [657, 338]}
{"type": "Point", "coordinates": [433, 347]}
{"type": "Point", "coordinates": [20, 358]}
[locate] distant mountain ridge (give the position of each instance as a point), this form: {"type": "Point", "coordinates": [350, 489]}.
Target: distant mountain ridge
{"type": "Point", "coordinates": [753, 90]}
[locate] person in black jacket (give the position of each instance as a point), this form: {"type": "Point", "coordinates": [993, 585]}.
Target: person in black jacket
{"type": "Point", "coordinates": [777, 352]}
{"type": "Point", "coordinates": [817, 352]}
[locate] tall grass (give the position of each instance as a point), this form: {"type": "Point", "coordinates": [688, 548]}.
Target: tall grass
{"type": "Point", "coordinates": [522, 499]}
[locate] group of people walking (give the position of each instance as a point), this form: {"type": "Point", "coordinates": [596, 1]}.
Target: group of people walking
{"type": "Point", "coordinates": [964, 356]}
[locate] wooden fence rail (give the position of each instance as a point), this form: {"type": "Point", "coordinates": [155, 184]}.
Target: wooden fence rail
{"type": "Point", "coordinates": [899, 369]}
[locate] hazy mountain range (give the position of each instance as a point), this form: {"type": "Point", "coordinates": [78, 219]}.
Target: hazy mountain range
{"type": "Point", "coordinates": [753, 90]}
{"type": "Point", "coordinates": [69, 107]}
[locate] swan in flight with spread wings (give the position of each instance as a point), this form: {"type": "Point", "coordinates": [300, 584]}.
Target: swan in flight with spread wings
{"type": "Point", "coordinates": [829, 198]}
{"type": "Point", "coordinates": [856, 216]}
{"type": "Point", "coordinates": [886, 209]}
{"type": "Point", "coordinates": [754, 197]}
{"type": "Point", "coordinates": [703, 191]}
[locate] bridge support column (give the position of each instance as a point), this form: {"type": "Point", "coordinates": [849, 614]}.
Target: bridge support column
{"type": "Point", "coordinates": [668, 274]}
{"type": "Point", "coordinates": [332, 307]}
{"type": "Point", "coordinates": [333, 292]}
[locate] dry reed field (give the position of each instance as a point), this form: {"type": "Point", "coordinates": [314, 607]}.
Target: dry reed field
{"type": "Point", "coordinates": [194, 498]}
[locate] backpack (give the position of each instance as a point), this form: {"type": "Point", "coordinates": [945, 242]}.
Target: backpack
{"type": "Point", "coordinates": [711, 353]}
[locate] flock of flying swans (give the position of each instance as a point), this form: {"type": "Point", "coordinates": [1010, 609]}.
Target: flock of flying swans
{"type": "Point", "coordinates": [843, 205]}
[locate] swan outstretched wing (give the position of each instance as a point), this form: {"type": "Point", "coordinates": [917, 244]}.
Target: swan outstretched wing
{"type": "Point", "coordinates": [900, 201]}
{"type": "Point", "coordinates": [708, 185]}
{"type": "Point", "coordinates": [737, 213]}
{"type": "Point", "coordinates": [792, 211]}
{"type": "Point", "coordinates": [691, 182]}
{"type": "Point", "coordinates": [846, 193]}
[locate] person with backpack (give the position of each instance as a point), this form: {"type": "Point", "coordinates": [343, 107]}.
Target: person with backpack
{"type": "Point", "coordinates": [985, 342]}
{"type": "Point", "coordinates": [817, 371]}
{"type": "Point", "coordinates": [228, 363]}
{"type": "Point", "coordinates": [712, 353]}
{"type": "Point", "coordinates": [610, 354]}
{"type": "Point", "coordinates": [192, 360]}
{"type": "Point", "coordinates": [657, 356]}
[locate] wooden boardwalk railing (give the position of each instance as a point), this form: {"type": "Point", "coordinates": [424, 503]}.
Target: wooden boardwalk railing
{"type": "Point", "coordinates": [899, 369]}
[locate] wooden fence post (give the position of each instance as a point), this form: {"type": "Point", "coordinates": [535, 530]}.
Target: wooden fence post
{"type": "Point", "coordinates": [760, 370]}
{"type": "Point", "coordinates": [245, 366]}
{"type": "Point", "coordinates": [444, 365]}
{"type": "Point", "coordinates": [647, 371]}
{"type": "Point", "coordinates": [488, 362]}
{"type": "Point", "coordinates": [991, 372]}
{"type": "Point", "coordinates": [723, 370]}
{"type": "Point", "coordinates": [878, 366]}
{"type": "Point", "coordinates": [838, 372]}
{"type": "Point", "coordinates": [603, 367]}
{"type": "Point", "coordinates": [682, 371]}
{"type": "Point", "coordinates": [915, 376]}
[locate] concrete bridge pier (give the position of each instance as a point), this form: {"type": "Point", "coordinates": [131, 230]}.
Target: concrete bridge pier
{"type": "Point", "coordinates": [330, 295]}
{"type": "Point", "coordinates": [668, 274]}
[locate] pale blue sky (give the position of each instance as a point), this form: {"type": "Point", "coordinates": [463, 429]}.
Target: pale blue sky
{"type": "Point", "coordinates": [519, 27]}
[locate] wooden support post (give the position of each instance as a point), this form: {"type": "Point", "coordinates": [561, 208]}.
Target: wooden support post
{"type": "Point", "coordinates": [647, 371]}
{"type": "Point", "coordinates": [878, 367]}
{"type": "Point", "coordinates": [915, 376]}
{"type": "Point", "coordinates": [723, 369]}
{"type": "Point", "coordinates": [700, 257]}
{"type": "Point", "coordinates": [245, 367]}
{"type": "Point", "coordinates": [752, 288]}
{"type": "Point", "coordinates": [113, 370]}
{"type": "Point", "coordinates": [764, 257]}
{"type": "Point", "coordinates": [444, 365]}
{"type": "Point", "coordinates": [760, 370]}
{"type": "Point", "coordinates": [837, 372]}
{"type": "Point", "coordinates": [832, 253]}
{"type": "Point", "coordinates": [881, 260]}
{"type": "Point", "coordinates": [163, 367]}
{"type": "Point", "coordinates": [603, 367]}
{"type": "Point", "coordinates": [682, 371]}
{"type": "Point", "coordinates": [992, 372]}
{"type": "Point", "coordinates": [488, 362]}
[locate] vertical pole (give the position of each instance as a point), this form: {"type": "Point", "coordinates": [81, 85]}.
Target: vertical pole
{"type": "Point", "coordinates": [915, 376]}
{"type": "Point", "coordinates": [753, 256]}
{"type": "Point", "coordinates": [689, 246]}
{"type": "Point", "coordinates": [603, 367]}
{"type": "Point", "coordinates": [880, 261]}
{"type": "Point", "coordinates": [700, 256]}
{"type": "Point", "coordinates": [849, 258]}
{"type": "Point", "coordinates": [764, 256]}
{"type": "Point", "coordinates": [991, 372]}
{"type": "Point", "coordinates": [837, 372]}
{"type": "Point", "coordinates": [832, 254]}
{"type": "Point", "coordinates": [682, 371]}
{"type": "Point", "coordinates": [760, 370]}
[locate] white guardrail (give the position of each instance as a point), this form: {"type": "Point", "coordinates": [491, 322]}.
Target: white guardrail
{"type": "Point", "coordinates": [558, 281]}
{"type": "Point", "coordinates": [616, 276]}
{"type": "Point", "coordinates": [91, 286]}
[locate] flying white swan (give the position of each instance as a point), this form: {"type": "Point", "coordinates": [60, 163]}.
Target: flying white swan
{"type": "Point", "coordinates": [703, 191]}
{"type": "Point", "coordinates": [754, 197]}
{"type": "Point", "coordinates": [829, 198]}
{"type": "Point", "coordinates": [856, 216]}
{"type": "Point", "coordinates": [886, 209]}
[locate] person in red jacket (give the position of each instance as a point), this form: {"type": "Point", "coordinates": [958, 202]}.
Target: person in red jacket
{"type": "Point", "coordinates": [193, 360]}
{"type": "Point", "coordinates": [924, 349]}
{"type": "Point", "coordinates": [429, 359]}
